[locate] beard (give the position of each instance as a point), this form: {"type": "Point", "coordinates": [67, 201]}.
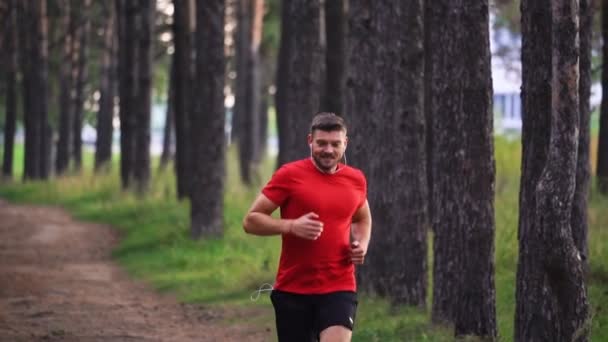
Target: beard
{"type": "Point", "coordinates": [326, 161]}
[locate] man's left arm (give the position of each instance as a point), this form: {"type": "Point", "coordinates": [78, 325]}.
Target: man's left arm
{"type": "Point", "coordinates": [361, 230]}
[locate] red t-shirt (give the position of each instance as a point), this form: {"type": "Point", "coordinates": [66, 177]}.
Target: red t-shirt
{"type": "Point", "coordinates": [322, 265]}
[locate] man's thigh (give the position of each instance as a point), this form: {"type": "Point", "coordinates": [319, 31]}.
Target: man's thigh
{"type": "Point", "coordinates": [295, 316]}
{"type": "Point", "coordinates": [336, 315]}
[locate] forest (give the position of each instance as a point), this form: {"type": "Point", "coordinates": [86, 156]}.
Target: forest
{"type": "Point", "coordinates": [164, 119]}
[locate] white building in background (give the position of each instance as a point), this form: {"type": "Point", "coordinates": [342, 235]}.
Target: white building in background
{"type": "Point", "coordinates": [506, 83]}
{"type": "Point", "coordinates": [507, 100]}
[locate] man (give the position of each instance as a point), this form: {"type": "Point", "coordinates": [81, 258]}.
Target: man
{"type": "Point", "coordinates": [323, 206]}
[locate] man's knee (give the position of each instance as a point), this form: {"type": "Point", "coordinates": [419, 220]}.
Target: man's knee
{"type": "Point", "coordinates": [336, 333]}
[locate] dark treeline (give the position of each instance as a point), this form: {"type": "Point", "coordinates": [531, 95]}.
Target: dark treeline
{"type": "Point", "coordinates": [413, 79]}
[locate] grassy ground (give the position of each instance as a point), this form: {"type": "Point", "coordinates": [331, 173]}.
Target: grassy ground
{"type": "Point", "coordinates": [156, 246]}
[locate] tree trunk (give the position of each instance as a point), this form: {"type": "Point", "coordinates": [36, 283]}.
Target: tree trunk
{"type": "Point", "coordinates": [183, 62]}
{"type": "Point", "coordinates": [263, 129]}
{"type": "Point", "coordinates": [126, 14]}
{"type": "Point", "coordinates": [11, 91]}
{"type": "Point", "coordinates": [208, 143]}
{"type": "Point", "coordinates": [581, 193]}
{"type": "Point", "coordinates": [105, 116]}
{"type": "Point", "coordinates": [143, 108]}
{"type": "Point", "coordinates": [551, 296]}
{"type": "Point", "coordinates": [242, 115]}
{"type": "Point", "coordinates": [32, 136]}
{"type": "Point", "coordinates": [257, 82]}
{"type": "Point", "coordinates": [62, 160]}
{"type": "Point", "coordinates": [335, 59]}
{"type": "Point", "coordinates": [384, 100]}
{"type": "Point", "coordinates": [41, 67]}
{"type": "Point", "coordinates": [247, 105]}
{"type": "Point", "coordinates": [431, 21]}
{"type": "Point", "coordinates": [602, 147]}
{"type": "Point", "coordinates": [282, 78]}
{"type": "Point", "coordinates": [306, 68]}
{"type": "Point", "coordinates": [33, 38]}
{"type": "Point", "coordinates": [463, 167]}
{"type": "Point", "coordinates": [82, 35]}
{"type": "Point", "coordinates": [167, 154]}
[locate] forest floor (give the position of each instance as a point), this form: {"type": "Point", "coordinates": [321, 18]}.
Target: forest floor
{"type": "Point", "coordinates": [59, 283]}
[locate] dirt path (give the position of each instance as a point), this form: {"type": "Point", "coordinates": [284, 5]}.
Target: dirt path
{"type": "Point", "coordinates": [57, 283]}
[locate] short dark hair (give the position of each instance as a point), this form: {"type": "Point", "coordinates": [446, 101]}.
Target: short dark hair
{"type": "Point", "coordinates": [327, 122]}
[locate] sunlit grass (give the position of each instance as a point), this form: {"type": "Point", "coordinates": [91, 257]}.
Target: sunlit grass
{"type": "Point", "coordinates": [156, 246]}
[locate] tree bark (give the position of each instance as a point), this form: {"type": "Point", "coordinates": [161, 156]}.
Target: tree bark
{"type": "Point", "coordinates": [430, 35]}
{"type": "Point", "coordinates": [384, 100]}
{"type": "Point", "coordinates": [141, 170]}
{"type": "Point", "coordinates": [32, 136]}
{"type": "Point", "coordinates": [602, 148]}
{"type": "Point", "coordinates": [247, 105]}
{"type": "Point", "coordinates": [126, 14]}
{"type": "Point", "coordinates": [463, 168]}
{"type": "Point", "coordinates": [167, 154]}
{"type": "Point", "coordinates": [33, 38]}
{"type": "Point", "coordinates": [42, 91]}
{"type": "Point", "coordinates": [62, 160]}
{"type": "Point", "coordinates": [306, 68]}
{"type": "Point", "coordinates": [335, 58]}
{"type": "Point", "coordinates": [583, 168]}
{"type": "Point", "coordinates": [182, 60]}
{"type": "Point", "coordinates": [551, 296]}
{"type": "Point", "coordinates": [105, 115]}
{"type": "Point", "coordinates": [243, 110]}
{"type": "Point", "coordinates": [282, 77]}
{"type": "Point", "coordinates": [11, 91]}
{"type": "Point", "coordinates": [208, 119]}
{"type": "Point", "coordinates": [82, 35]}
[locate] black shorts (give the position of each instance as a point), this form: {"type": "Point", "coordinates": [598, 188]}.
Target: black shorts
{"type": "Point", "coordinates": [301, 317]}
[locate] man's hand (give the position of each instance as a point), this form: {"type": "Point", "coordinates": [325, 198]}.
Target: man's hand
{"type": "Point", "coordinates": [357, 253]}
{"type": "Point", "coordinates": [307, 226]}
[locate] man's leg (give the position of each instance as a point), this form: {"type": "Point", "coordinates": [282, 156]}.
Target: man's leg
{"type": "Point", "coordinates": [336, 316]}
{"type": "Point", "coordinates": [336, 333]}
{"type": "Point", "coordinates": [294, 315]}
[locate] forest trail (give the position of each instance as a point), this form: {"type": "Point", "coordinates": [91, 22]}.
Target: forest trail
{"type": "Point", "coordinates": [58, 283]}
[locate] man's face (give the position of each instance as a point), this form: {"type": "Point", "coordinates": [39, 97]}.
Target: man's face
{"type": "Point", "coordinates": [327, 148]}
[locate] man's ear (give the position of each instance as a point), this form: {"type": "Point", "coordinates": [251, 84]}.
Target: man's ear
{"type": "Point", "coordinates": [309, 138]}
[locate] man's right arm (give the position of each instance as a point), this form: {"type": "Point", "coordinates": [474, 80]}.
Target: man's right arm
{"type": "Point", "coordinates": [259, 222]}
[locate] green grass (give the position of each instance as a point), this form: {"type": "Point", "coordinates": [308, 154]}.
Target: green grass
{"type": "Point", "coordinates": [156, 246]}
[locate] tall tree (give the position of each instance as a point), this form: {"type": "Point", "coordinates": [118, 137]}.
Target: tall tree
{"type": "Point", "coordinates": [602, 148]}
{"type": "Point", "coordinates": [65, 100]}
{"type": "Point", "coordinates": [33, 45]}
{"type": "Point", "coordinates": [168, 130]}
{"type": "Point", "coordinates": [551, 299]}
{"type": "Point", "coordinates": [127, 71]}
{"type": "Point", "coordinates": [141, 171]}
{"type": "Point", "coordinates": [335, 57]}
{"type": "Point", "coordinates": [182, 59]}
{"type": "Point", "coordinates": [306, 70]}
{"type": "Point", "coordinates": [430, 35]}
{"type": "Point", "coordinates": [390, 34]}
{"type": "Point", "coordinates": [247, 104]}
{"type": "Point", "coordinates": [81, 39]}
{"type": "Point", "coordinates": [105, 115]}
{"type": "Point", "coordinates": [282, 78]}
{"type": "Point", "coordinates": [581, 193]}
{"type": "Point", "coordinates": [463, 167]}
{"type": "Point", "coordinates": [10, 56]}
{"type": "Point", "coordinates": [208, 117]}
